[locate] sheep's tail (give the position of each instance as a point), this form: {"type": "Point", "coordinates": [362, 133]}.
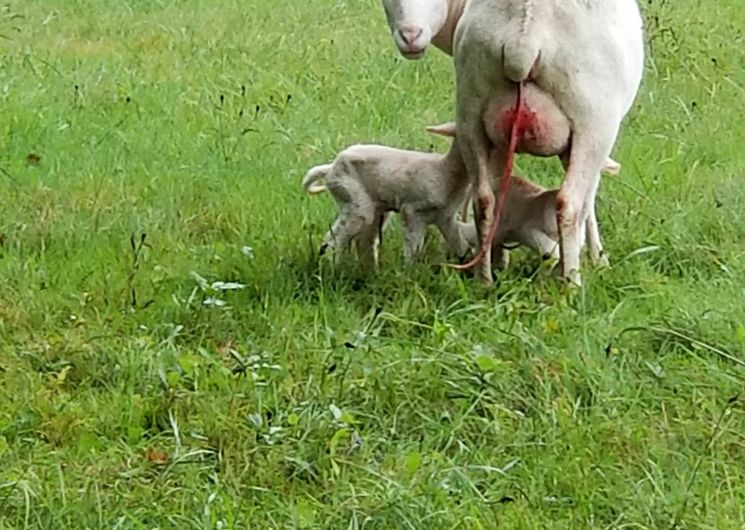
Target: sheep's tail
{"type": "Point", "coordinates": [520, 58]}
{"type": "Point", "coordinates": [521, 52]}
{"type": "Point", "coordinates": [312, 176]}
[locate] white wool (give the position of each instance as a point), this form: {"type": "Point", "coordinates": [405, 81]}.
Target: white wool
{"type": "Point", "coordinates": [581, 64]}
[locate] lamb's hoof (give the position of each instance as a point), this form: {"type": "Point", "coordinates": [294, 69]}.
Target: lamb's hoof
{"type": "Point", "coordinates": [324, 248]}
{"type": "Point", "coordinates": [465, 258]}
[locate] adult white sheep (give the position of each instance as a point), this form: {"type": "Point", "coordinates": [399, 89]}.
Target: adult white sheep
{"type": "Point", "coordinates": [579, 63]}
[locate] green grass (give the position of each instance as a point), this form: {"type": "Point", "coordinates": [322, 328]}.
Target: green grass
{"type": "Point", "coordinates": [168, 135]}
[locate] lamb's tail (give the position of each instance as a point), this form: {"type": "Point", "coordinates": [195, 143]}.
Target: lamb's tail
{"type": "Point", "coordinates": [312, 176]}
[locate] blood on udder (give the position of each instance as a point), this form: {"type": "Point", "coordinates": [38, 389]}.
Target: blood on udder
{"type": "Point", "coordinates": [531, 127]}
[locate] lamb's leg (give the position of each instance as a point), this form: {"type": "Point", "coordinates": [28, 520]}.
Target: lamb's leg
{"type": "Point", "coordinates": [415, 231]}
{"type": "Point", "coordinates": [589, 151]}
{"type": "Point", "coordinates": [383, 224]}
{"type": "Point", "coordinates": [367, 243]}
{"type": "Point", "coordinates": [541, 243]}
{"type": "Point", "coordinates": [338, 236]}
{"type": "Point", "coordinates": [468, 231]}
{"type": "Point", "coordinates": [456, 240]}
{"type": "Point", "coordinates": [348, 225]}
{"type": "Point", "coordinates": [466, 204]}
{"type": "Point", "coordinates": [500, 256]}
{"type": "Point", "coordinates": [594, 243]}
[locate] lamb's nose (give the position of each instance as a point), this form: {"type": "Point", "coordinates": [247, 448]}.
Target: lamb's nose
{"type": "Point", "coordinates": [410, 33]}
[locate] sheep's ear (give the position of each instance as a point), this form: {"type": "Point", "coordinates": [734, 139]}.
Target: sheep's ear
{"type": "Point", "coordinates": [444, 129]}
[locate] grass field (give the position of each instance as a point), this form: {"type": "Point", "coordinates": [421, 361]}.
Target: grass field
{"type": "Point", "coordinates": [153, 147]}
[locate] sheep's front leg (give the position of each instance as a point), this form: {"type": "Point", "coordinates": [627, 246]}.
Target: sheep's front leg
{"type": "Point", "coordinates": [590, 148]}
{"type": "Point", "coordinates": [541, 243]}
{"type": "Point", "coordinates": [415, 231]}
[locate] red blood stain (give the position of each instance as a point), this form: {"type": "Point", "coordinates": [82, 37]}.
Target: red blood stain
{"type": "Point", "coordinates": [560, 203]}
{"type": "Point", "coordinates": [567, 217]}
{"type": "Point", "coordinates": [484, 201]}
{"type": "Point", "coordinates": [530, 128]}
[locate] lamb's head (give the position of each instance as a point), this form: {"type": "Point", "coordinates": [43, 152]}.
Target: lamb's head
{"type": "Point", "coordinates": [414, 23]}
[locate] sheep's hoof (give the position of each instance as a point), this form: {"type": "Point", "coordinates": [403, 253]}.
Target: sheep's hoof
{"type": "Point", "coordinates": [602, 261]}
{"type": "Point", "coordinates": [324, 248]}
{"type": "Point", "coordinates": [573, 279]}
{"type": "Point", "coordinates": [486, 281]}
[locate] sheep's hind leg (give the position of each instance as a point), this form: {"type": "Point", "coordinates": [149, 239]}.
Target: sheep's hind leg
{"type": "Point", "coordinates": [475, 149]}
{"type": "Point", "coordinates": [589, 152]}
{"type": "Point", "coordinates": [592, 231]}
{"type": "Point", "coordinates": [480, 167]}
{"type": "Point", "coordinates": [465, 206]}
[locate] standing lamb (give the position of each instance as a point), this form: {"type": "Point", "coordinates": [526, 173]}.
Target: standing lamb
{"type": "Point", "coordinates": [368, 181]}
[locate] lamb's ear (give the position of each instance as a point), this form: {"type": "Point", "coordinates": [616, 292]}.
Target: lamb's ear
{"type": "Point", "coordinates": [444, 129]}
